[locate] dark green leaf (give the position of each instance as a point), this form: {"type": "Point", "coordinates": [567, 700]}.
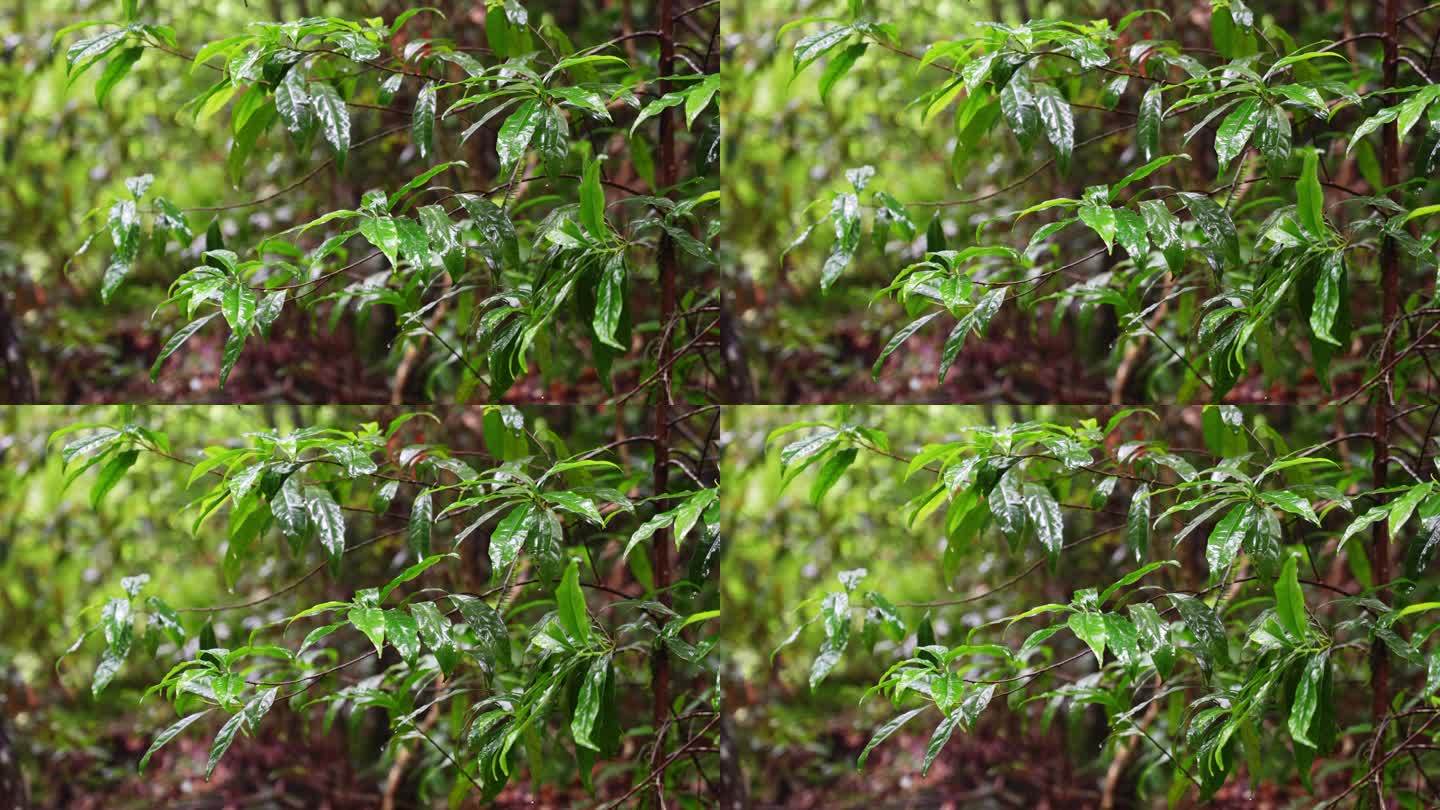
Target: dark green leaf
{"type": "Point", "coordinates": [329, 522]}
{"type": "Point", "coordinates": [418, 531]}
{"type": "Point", "coordinates": [1059, 123]}
{"type": "Point", "coordinates": [334, 119]}
{"type": "Point", "coordinates": [223, 739]}
{"type": "Point", "coordinates": [587, 702]}
{"type": "Point", "coordinates": [517, 132]}
{"type": "Point", "coordinates": [422, 127]}
{"type": "Point", "coordinates": [1290, 601]}
{"type": "Point", "coordinates": [571, 600]}
{"type": "Point", "coordinates": [1309, 198]}
{"type": "Point", "coordinates": [169, 734]}
{"type": "Point", "coordinates": [884, 732]}
{"type": "Point", "coordinates": [1147, 126]}
{"type": "Point", "coordinates": [1216, 225]}
{"type": "Point", "coordinates": [1235, 131]}
{"type": "Point", "coordinates": [1307, 696]}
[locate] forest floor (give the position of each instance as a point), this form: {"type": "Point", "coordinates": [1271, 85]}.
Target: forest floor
{"type": "Point", "coordinates": [990, 769]}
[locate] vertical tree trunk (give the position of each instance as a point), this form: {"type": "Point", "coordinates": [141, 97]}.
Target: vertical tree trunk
{"type": "Point", "coordinates": [16, 384]}
{"type": "Point", "coordinates": [660, 547]}
{"type": "Point", "coordinates": [12, 783]}
{"type": "Point", "coordinates": [1390, 291]}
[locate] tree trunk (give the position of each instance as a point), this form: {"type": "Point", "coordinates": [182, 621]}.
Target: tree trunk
{"type": "Point", "coordinates": [16, 384]}
{"type": "Point", "coordinates": [660, 545]}
{"type": "Point", "coordinates": [12, 783]}
{"type": "Point", "coordinates": [1390, 292]}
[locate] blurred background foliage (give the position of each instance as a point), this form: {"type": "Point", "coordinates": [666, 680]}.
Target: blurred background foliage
{"type": "Point", "coordinates": [799, 745]}
{"type": "Point", "coordinates": [61, 558]}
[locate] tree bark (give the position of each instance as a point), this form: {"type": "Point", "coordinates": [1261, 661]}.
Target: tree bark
{"type": "Point", "coordinates": [13, 795]}
{"type": "Point", "coordinates": [1390, 292]}
{"type": "Point", "coordinates": [16, 384]}
{"type": "Point", "coordinates": [660, 546]}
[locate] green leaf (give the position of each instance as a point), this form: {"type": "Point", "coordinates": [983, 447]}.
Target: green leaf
{"type": "Point", "coordinates": [1017, 103]}
{"type": "Point", "coordinates": [509, 537]}
{"type": "Point", "coordinates": [884, 732]}
{"type": "Point", "coordinates": [371, 622]}
{"type": "Point", "coordinates": [1307, 697]}
{"type": "Point", "coordinates": [845, 216]}
{"type": "Point", "coordinates": [1359, 524]}
{"type": "Point", "coordinates": [495, 226]}
{"type": "Point", "coordinates": [1137, 523]}
{"type": "Point", "coordinates": [647, 530]}
{"type": "Point", "coordinates": [1225, 541]}
{"type": "Point", "coordinates": [1292, 503]}
{"type": "Point", "coordinates": [1209, 633]}
{"type": "Point", "coordinates": [1045, 515]}
{"type": "Point", "coordinates": [1163, 229]}
{"type": "Point", "coordinates": [517, 132]}
{"type": "Point", "coordinates": [938, 739]}
{"type": "Point", "coordinates": [1371, 124]}
{"type": "Point", "coordinates": [403, 632]}
{"type": "Point", "coordinates": [1290, 601]}
{"type": "Point", "coordinates": [899, 338]}
{"type": "Point", "coordinates": [835, 69]}
{"type": "Point", "coordinates": [587, 702]}
{"type": "Point", "coordinates": [610, 301]}
{"type": "Point", "coordinates": [1134, 577]}
{"type": "Point", "coordinates": [110, 475]}
{"type": "Point", "coordinates": [814, 46]}
{"type": "Point", "coordinates": [81, 56]}
{"type": "Point", "coordinates": [1329, 281]}
{"type": "Point", "coordinates": [976, 321]}
{"type": "Point", "coordinates": [383, 233]}
{"type": "Point", "coordinates": [1235, 131]}
{"type": "Point", "coordinates": [1090, 628]}
{"type": "Point", "coordinates": [830, 473]}
{"type": "Point", "coordinates": [592, 201]}
{"type": "Point", "coordinates": [292, 102]}
{"type": "Point", "coordinates": [1143, 172]}
{"type": "Point", "coordinates": [329, 522]}
{"type": "Point", "coordinates": [334, 119]}
{"type": "Point", "coordinates": [1101, 220]}
{"type": "Point", "coordinates": [414, 571]}
{"type": "Point", "coordinates": [688, 512]}
{"type": "Point", "coordinates": [1147, 125]}
{"type": "Point", "coordinates": [1310, 199]}
{"type": "Point", "coordinates": [115, 70]}
{"type": "Point", "coordinates": [418, 531]}
{"type": "Point", "coordinates": [422, 126]}
{"type": "Point", "coordinates": [488, 626]}
{"type": "Point", "coordinates": [574, 616]}
{"type": "Point", "coordinates": [1411, 109]}
{"type": "Point", "coordinates": [1272, 136]}
{"type": "Point", "coordinates": [1217, 226]}
{"type": "Point", "coordinates": [223, 739]}
{"type": "Point", "coordinates": [435, 630]}
{"type": "Point", "coordinates": [1130, 233]}
{"type": "Point", "coordinates": [169, 734]}
{"type": "Point", "coordinates": [1059, 123]}
{"type": "Point", "coordinates": [699, 97]}
{"type": "Point", "coordinates": [1404, 506]}
{"type": "Point", "coordinates": [166, 619]}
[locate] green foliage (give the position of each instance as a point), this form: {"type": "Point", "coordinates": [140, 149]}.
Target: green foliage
{"type": "Point", "coordinates": [533, 640]}
{"type": "Point", "coordinates": [1219, 654]}
{"type": "Point", "coordinates": [494, 259]}
{"type": "Point", "coordinates": [1241, 250]}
